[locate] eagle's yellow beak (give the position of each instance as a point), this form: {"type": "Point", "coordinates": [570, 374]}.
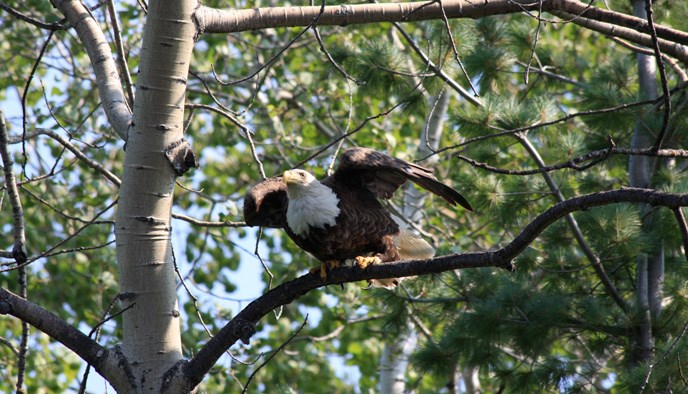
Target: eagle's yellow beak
{"type": "Point", "coordinates": [297, 177]}
{"type": "Point", "coordinates": [289, 177]}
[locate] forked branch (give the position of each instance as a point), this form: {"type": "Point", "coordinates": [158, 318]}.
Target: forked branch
{"type": "Point", "coordinates": [108, 363]}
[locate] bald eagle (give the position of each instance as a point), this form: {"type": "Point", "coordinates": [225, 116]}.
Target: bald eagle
{"type": "Point", "coordinates": [340, 217]}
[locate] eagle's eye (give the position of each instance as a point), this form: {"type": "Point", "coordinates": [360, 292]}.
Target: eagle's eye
{"type": "Point", "coordinates": [303, 176]}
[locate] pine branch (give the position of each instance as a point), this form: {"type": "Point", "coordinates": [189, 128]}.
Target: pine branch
{"type": "Point", "coordinates": [575, 228]}
{"type": "Point", "coordinates": [241, 327]}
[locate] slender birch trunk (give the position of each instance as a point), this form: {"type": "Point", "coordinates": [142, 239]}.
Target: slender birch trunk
{"type": "Point", "coordinates": [152, 339]}
{"type": "Point", "coordinates": [650, 268]}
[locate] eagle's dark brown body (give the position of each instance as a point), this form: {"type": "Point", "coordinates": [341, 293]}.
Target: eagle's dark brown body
{"type": "Point", "coordinates": [363, 226]}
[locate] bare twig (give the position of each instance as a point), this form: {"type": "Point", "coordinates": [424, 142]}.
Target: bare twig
{"type": "Point", "coordinates": [279, 53]}
{"type": "Point", "coordinates": [19, 249]}
{"type": "Point", "coordinates": [665, 355]}
{"type": "Point", "coordinates": [96, 330]}
{"type": "Point", "coordinates": [241, 126]}
{"type": "Point", "coordinates": [675, 64]}
{"type": "Point", "coordinates": [25, 93]}
{"type": "Point", "coordinates": [72, 148]}
{"type": "Point", "coordinates": [63, 241]}
{"type": "Point", "coordinates": [335, 141]}
{"type": "Point", "coordinates": [121, 55]}
{"type": "Point", "coordinates": [59, 25]}
{"type": "Point", "coordinates": [438, 71]}
{"type": "Point", "coordinates": [456, 51]}
{"type": "Point", "coordinates": [594, 158]}
{"type": "Point", "coordinates": [336, 65]}
{"type": "Point", "coordinates": [662, 75]}
{"type": "Point", "coordinates": [205, 223]}
{"type": "Point", "coordinates": [535, 41]}
{"type": "Point", "coordinates": [262, 262]}
{"type": "Point", "coordinates": [274, 353]}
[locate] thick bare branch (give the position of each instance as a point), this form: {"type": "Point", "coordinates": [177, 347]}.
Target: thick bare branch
{"type": "Point", "coordinates": [211, 20]}
{"type": "Point", "coordinates": [104, 66]}
{"type": "Point", "coordinates": [671, 48]}
{"type": "Point", "coordinates": [189, 374]}
{"type": "Point", "coordinates": [106, 362]}
{"type": "Point", "coordinates": [615, 18]}
{"type": "Point", "coordinates": [19, 250]}
{"type": "Point", "coordinates": [615, 24]}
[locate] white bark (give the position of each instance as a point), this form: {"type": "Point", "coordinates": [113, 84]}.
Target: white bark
{"type": "Point", "coordinates": [650, 269]}
{"type": "Point", "coordinates": [104, 66]}
{"type": "Point", "coordinates": [152, 338]}
{"type": "Point", "coordinates": [394, 361]}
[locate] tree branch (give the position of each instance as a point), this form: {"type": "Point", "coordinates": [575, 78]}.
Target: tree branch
{"type": "Point", "coordinates": [190, 373]}
{"type": "Point", "coordinates": [615, 18]}
{"type": "Point", "coordinates": [109, 85]}
{"type": "Point", "coordinates": [616, 24]}
{"type": "Point", "coordinates": [671, 48]}
{"type": "Point", "coordinates": [593, 158]}
{"type": "Point", "coordinates": [105, 361]}
{"type": "Point", "coordinates": [210, 20]}
{"type": "Point", "coordinates": [19, 252]}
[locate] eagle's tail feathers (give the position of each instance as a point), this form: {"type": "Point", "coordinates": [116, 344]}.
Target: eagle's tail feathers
{"type": "Point", "coordinates": [428, 182]}
{"type": "Point", "coordinates": [410, 247]}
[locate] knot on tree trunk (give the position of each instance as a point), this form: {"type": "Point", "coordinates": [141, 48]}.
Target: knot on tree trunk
{"type": "Point", "coordinates": [181, 156]}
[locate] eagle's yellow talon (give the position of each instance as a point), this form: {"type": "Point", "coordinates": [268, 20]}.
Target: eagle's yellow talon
{"type": "Point", "coordinates": [324, 267]}
{"type": "Point", "coordinates": [364, 262]}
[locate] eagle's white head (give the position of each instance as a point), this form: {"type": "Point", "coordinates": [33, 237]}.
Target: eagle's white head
{"type": "Point", "coordinates": [311, 204]}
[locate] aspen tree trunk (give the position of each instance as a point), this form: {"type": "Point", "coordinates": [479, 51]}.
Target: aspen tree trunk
{"type": "Point", "coordinates": [650, 268]}
{"type": "Point", "coordinates": [152, 341]}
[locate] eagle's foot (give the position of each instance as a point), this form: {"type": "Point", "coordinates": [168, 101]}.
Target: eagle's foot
{"type": "Point", "coordinates": [364, 262]}
{"type": "Point", "coordinates": [325, 267]}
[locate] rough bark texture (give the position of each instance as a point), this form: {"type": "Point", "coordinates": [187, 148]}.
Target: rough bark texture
{"type": "Point", "coordinates": [152, 339]}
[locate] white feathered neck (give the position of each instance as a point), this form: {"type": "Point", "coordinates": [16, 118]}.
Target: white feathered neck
{"type": "Point", "coordinates": [311, 204]}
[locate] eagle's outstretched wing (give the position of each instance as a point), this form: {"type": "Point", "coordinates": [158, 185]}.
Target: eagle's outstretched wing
{"type": "Point", "coordinates": [265, 204]}
{"type": "Point", "coordinates": [383, 175]}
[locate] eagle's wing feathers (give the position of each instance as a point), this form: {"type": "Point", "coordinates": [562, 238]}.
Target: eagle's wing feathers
{"type": "Point", "coordinates": [383, 175]}
{"type": "Point", "coordinates": [265, 204]}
